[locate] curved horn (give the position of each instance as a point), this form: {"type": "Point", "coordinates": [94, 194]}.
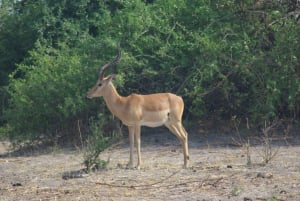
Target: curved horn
{"type": "Point", "coordinates": [108, 65]}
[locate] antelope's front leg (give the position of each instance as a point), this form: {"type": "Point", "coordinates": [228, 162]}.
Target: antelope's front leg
{"type": "Point", "coordinates": [131, 130]}
{"type": "Point", "coordinates": [138, 145]}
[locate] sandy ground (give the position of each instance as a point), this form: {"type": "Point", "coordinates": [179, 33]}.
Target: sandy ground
{"type": "Point", "coordinates": [218, 171]}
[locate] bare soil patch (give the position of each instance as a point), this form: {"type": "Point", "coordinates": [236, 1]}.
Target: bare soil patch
{"type": "Point", "coordinates": [218, 171]}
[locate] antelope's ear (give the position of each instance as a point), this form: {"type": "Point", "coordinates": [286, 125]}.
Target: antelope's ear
{"type": "Point", "coordinates": [112, 77]}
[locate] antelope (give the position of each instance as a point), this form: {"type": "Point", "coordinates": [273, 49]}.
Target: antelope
{"type": "Point", "coordinates": [137, 110]}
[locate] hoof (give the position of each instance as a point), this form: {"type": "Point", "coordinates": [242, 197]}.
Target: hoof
{"type": "Point", "coordinates": [129, 166]}
{"type": "Point", "coordinates": [185, 166]}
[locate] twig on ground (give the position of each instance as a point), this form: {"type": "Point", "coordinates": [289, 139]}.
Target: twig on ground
{"type": "Point", "coordinates": [138, 186]}
{"type": "Point", "coordinates": [213, 182]}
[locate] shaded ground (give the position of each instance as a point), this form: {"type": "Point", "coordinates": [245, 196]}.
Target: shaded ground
{"type": "Point", "coordinates": [218, 171]}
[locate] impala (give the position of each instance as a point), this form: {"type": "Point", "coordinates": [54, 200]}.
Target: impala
{"type": "Point", "coordinates": [137, 110]}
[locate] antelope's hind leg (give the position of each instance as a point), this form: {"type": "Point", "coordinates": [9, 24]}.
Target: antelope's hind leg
{"type": "Point", "coordinates": [178, 130]}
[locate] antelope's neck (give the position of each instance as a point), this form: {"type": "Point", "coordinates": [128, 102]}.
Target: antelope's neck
{"type": "Point", "coordinates": [112, 99]}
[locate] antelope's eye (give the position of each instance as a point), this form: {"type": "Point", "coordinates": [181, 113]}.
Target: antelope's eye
{"type": "Point", "coordinates": [100, 84]}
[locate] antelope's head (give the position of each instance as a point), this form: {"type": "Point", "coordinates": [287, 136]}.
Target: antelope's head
{"type": "Point", "coordinates": [98, 89]}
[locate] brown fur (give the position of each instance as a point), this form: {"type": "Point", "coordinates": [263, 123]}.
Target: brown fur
{"type": "Point", "coordinates": [138, 110]}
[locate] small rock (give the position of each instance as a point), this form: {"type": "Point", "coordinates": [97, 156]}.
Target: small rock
{"type": "Point", "coordinates": [283, 192]}
{"type": "Point", "coordinates": [16, 184]}
{"type": "Point", "coordinates": [67, 191]}
{"type": "Point", "coordinates": [74, 174]}
{"type": "Point", "coordinates": [264, 175]}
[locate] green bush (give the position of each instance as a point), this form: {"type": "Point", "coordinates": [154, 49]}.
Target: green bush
{"type": "Point", "coordinates": [51, 92]}
{"type": "Point", "coordinates": [223, 57]}
{"type": "Point", "coordinates": [96, 142]}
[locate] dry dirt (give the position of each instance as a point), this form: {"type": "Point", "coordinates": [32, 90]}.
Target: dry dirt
{"type": "Point", "coordinates": [218, 171]}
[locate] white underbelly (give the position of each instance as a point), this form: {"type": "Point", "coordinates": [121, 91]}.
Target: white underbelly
{"type": "Point", "coordinates": [151, 119]}
{"type": "Point", "coordinates": [152, 124]}
{"type": "Point", "coordinates": [154, 119]}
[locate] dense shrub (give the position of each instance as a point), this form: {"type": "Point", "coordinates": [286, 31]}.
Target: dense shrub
{"type": "Point", "coordinates": [226, 58]}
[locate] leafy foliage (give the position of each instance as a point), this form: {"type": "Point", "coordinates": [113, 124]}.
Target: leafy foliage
{"type": "Point", "coordinates": [95, 144]}
{"type": "Point", "coordinates": [226, 58]}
